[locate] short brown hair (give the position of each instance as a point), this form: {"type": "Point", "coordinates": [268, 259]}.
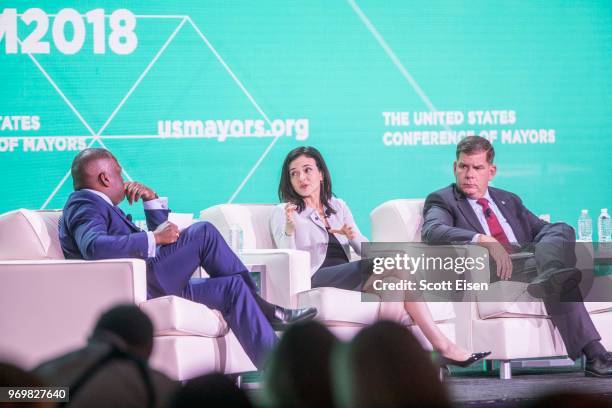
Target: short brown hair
{"type": "Point", "coordinates": [476, 144]}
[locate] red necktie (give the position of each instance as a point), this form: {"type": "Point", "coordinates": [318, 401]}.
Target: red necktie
{"type": "Point", "coordinates": [494, 226]}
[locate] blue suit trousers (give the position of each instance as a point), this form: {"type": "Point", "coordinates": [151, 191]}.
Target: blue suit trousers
{"type": "Point", "coordinates": [229, 289]}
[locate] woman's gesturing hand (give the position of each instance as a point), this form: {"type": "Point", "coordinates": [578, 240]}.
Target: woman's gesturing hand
{"type": "Point", "coordinates": [346, 230]}
{"type": "Point", "coordinates": [290, 209]}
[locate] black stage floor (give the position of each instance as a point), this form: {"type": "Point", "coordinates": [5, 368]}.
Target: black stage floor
{"type": "Point", "coordinates": [487, 390]}
{"type": "Point", "coordinates": [472, 388]}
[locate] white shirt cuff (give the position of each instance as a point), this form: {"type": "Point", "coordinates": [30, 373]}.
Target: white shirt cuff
{"type": "Point", "coordinates": [475, 238]}
{"type": "Point", "coordinates": [160, 203]}
{"type": "Point", "coordinates": [151, 241]}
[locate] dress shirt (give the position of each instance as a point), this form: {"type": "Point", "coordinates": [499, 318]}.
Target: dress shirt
{"type": "Point", "coordinates": [483, 220]}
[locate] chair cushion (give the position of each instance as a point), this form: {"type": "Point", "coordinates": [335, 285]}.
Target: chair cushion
{"type": "Point", "coordinates": [509, 299]}
{"type": "Point", "coordinates": [515, 338]}
{"type": "Point", "coordinates": [30, 235]}
{"type": "Point", "coordinates": [518, 303]}
{"type": "Point", "coordinates": [173, 315]}
{"type": "Point", "coordinates": [185, 357]}
{"type": "Point", "coordinates": [440, 312]}
{"type": "Point", "coordinates": [341, 306]}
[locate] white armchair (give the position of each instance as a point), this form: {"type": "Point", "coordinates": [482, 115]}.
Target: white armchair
{"type": "Point", "coordinates": [515, 330]}
{"type": "Point", "coordinates": [49, 304]}
{"type": "Point", "coordinates": [343, 311]}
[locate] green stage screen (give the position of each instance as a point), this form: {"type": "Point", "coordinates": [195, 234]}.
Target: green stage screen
{"type": "Point", "coordinates": [202, 100]}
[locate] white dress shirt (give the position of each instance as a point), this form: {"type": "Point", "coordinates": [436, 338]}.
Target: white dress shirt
{"type": "Point", "coordinates": [483, 220]}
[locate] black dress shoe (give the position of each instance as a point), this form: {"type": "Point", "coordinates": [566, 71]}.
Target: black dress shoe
{"type": "Point", "coordinates": [284, 317]}
{"type": "Point", "coordinates": [554, 282]}
{"type": "Point", "coordinates": [600, 366]}
{"type": "Point", "coordinates": [464, 363]}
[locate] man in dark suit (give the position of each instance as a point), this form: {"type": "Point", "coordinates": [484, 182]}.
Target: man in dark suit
{"type": "Point", "coordinates": [469, 211]}
{"type": "Point", "coordinates": [93, 227]}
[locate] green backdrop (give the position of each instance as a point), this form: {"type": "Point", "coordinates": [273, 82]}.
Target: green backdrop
{"type": "Point", "coordinates": [241, 83]}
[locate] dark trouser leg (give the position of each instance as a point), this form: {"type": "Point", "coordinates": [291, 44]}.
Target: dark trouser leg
{"type": "Point", "coordinates": [231, 296]}
{"type": "Point", "coordinates": [344, 276]}
{"type": "Point", "coordinates": [554, 249]}
{"type": "Point", "coordinates": [573, 322]}
{"type": "Point", "coordinates": [201, 245]}
{"type": "Point", "coordinates": [567, 312]}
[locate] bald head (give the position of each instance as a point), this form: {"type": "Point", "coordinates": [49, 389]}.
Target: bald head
{"type": "Point", "coordinates": [99, 170]}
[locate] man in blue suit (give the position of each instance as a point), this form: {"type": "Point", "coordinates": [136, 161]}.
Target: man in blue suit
{"type": "Point", "coordinates": [93, 227]}
{"type": "Point", "coordinates": [469, 211]}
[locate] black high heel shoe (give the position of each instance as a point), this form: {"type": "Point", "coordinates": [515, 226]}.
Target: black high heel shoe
{"type": "Point", "coordinates": [444, 362]}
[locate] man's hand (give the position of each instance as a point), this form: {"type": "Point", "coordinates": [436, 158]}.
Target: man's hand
{"type": "Point", "coordinates": [135, 191]}
{"type": "Point", "coordinates": [499, 254]}
{"type": "Point", "coordinates": [346, 230]}
{"type": "Point", "coordinates": [290, 209]}
{"type": "Point", "coordinates": [166, 233]}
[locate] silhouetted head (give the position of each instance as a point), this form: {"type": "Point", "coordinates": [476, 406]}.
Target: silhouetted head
{"type": "Point", "coordinates": [13, 376]}
{"type": "Point", "coordinates": [298, 373]}
{"type": "Point", "coordinates": [210, 390]}
{"type": "Point", "coordinates": [385, 366]}
{"type": "Point", "coordinates": [99, 170]}
{"type": "Point", "coordinates": [129, 325]}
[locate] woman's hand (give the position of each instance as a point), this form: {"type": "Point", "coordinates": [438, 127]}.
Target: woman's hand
{"type": "Point", "coordinates": [290, 209]}
{"type": "Point", "coordinates": [346, 230]}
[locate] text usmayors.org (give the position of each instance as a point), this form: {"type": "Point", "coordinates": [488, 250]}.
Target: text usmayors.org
{"type": "Point", "coordinates": [222, 129]}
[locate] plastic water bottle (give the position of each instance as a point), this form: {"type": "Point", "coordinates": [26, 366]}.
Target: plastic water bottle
{"type": "Point", "coordinates": [604, 229]}
{"type": "Point", "coordinates": [235, 238]}
{"type": "Point", "coordinates": [585, 227]}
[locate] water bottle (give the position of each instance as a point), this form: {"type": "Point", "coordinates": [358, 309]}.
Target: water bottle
{"type": "Point", "coordinates": [235, 238]}
{"type": "Point", "coordinates": [585, 227]}
{"type": "Point", "coordinates": [604, 229]}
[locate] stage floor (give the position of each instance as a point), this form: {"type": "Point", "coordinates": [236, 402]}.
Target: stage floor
{"type": "Point", "coordinates": [475, 387]}
{"type": "Point", "coordinates": [526, 385]}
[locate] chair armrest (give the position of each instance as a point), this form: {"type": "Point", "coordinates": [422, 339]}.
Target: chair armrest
{"type": "Point", "coordinates": [50, 306]}
{"type": "Point", "coordinates": [287, 273]}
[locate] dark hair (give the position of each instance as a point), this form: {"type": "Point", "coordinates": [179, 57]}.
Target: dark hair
{"type": "Point", "coordinates": [82, 160]}
{"type": "Point", "coordinates": [299, 369]}
{"type": "Point", "coordinates": [14, 376]}
{"type": "Point", "coordinates": [209, 390]}
{"type": "Point", "coordinates": [128, 322]}
{"type": "Point", "coordinates": [286, 193]}
{"type": "Point", "coordinates": [476, 144]}
{"type": "Point", "coordinates": [384, 365]}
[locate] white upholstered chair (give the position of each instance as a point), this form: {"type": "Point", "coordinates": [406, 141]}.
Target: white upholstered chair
{"type": "Point", "coordinates": [511, 330]}
{"type": "Point", "coordinates": [342, 311]}
{"type": "Point", "coordinates": [48, 305]}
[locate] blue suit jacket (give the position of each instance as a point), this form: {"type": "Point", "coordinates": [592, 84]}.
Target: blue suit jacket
{"type": "Point", "coordinates": [90, 228]}
{"type": "Point", "coordinates": [448, 217]}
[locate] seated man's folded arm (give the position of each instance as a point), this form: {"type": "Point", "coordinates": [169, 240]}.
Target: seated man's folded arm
{"type": "Point", "coordinates": [90, 232]}
{"type": "Point", "coordinates": [439, 225]}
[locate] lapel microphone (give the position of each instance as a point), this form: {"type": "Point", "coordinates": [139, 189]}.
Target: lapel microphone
{"type": "Point", "coordinates": [487, 213]}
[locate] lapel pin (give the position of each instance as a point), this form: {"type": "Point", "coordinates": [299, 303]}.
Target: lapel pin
{"type": "Point", "coordinates": [503, 202]}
